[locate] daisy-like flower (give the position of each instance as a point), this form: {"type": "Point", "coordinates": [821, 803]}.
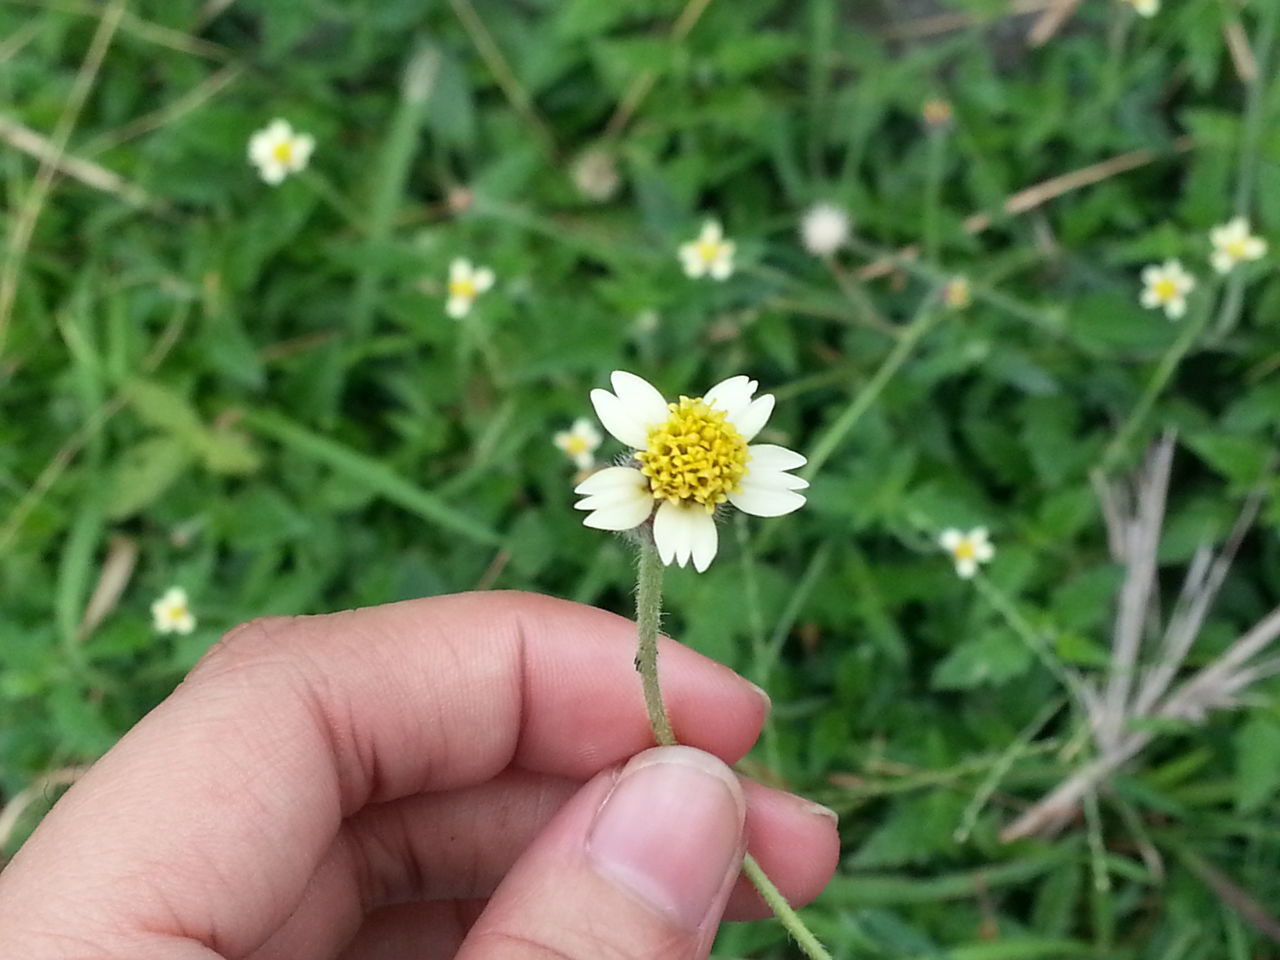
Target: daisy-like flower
{"type": "Point", "coordinates": [1145, 8]}
{"type": "Point", "coordinates": [278, 150]}
{"type": "Point", "coordinates": [1233, 244]}
{"type": "Point", "coordinates": [595, 174]}
{"type": "Point", "coordinates": [957, 293]}
{"type": "Point", "coordinates": [711, 255]}
{"type": "Point", "coordinates": [824, 229]}
{"type": "Point", "coordinates": [465, 284]}
{"type": "Point", "coordinates": [689, 457]}
{"type": "Point", "coordinates": [171, 613]}
{"type": "Point", "coordinates": [967, 549]}
{"type": "Point", "coordinates": [1167, 285]}
{"type": "Point", "coordinates": [579, 442]}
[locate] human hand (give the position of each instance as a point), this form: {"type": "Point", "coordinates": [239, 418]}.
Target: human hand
{"type": "Point", "coordinates": [428, 779]}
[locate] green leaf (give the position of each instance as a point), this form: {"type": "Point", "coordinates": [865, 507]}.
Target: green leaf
{"type": "Point", "coordinates": [142, 475]}
{"type": "Point", "coordinates": [988, 659]}
{"type": "Point", "coordinates": [1257, 769]}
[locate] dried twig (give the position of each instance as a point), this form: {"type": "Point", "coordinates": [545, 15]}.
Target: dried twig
{"type": "Point", "coordinates": [1035, 195]}
{"type": "Point", "coordinates": [117, 570]}
{"type": "Point", "coordinates": [1051, 21]}
{"type": "Point", "coordinates": [952, 20]}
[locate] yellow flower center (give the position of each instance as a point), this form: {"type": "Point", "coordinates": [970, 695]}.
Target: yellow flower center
{"type": "Point", "coordinates": [283, 152]}
{"type": "Point", "coordinates": [1237, 249]}
{"type": "Point", "coordinates": [1165, 289]}
{"type": "Point", "coordinates": [709, 250]}
{"type": "Point", "coordinates": [965, 550]}
{"type": "Point", "coordinates": [696, 455]}
{"type": "Point", "coordinates": [463, 288]}
{"type": "Point", "coordinates": [575, 444]}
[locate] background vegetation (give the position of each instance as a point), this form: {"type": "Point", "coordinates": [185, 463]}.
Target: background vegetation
{"type": "Point", "coordinates": [254, 392]}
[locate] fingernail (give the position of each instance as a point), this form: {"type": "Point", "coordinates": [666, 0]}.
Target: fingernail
{"type": "Point", "coordinates": [768, 700]}
{"type": "Point", "coordinates": [818, 810]}
{"type": "Point", "coordinates": [670, 831]}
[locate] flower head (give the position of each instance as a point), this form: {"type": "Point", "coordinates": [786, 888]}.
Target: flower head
{"type": "Point", "coordinates": [689, 457]}
{"type": "Point", "coordinates": [278, 150]}
{"type": "Point", "coordinates": [595, 174]}
{"type": "Point", "coordinates": [579, 442]}
{"type": "Point", "coordinates": [1145, 8]}
{"type": "Point", "coordinates": [967, 549]}
{"type": "Point", "coordinates": [936, 113]}
{"type": "Point", "coordinates": [1234, 244]}
{"type": "Point", "coordinates": [171, 613]}
{"type": "Point", "coordinates": [956, 293]}
{"type": "Point", "coordinates": [465, 284]}
{"type": "Point", "coordinates": [711, 255]}
{"type": "Point", "coordinates": [824, 229]}
{"type": "Point", "coordinates": [1167, 285]}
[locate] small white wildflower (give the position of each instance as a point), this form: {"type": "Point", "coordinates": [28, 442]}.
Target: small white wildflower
{"type": "Point", "coordinates": [957, 294]}
{"type": "Point", "coordinates": [689, 457]}
{"type": "Point", "coordinates": [936, 114]}
{"type": "Point", "coordinates": [824, 229]}
{"type": "Point", "coordinates": [1167, 285]}
{"type": "Point", "coordinates": [465, 284]}
{"type": "Point", "coordinates": [172, 613]}
{"type": "Point", "coordinates": [709, 255]}
{"type": "Point", "coordinates": [595, 174]}
{"type": "Point", "coordinates": [1145, 8]}
{"type": "Point", "coordinates": [277, 151]}
{"type": "Point", "coordinates": [1233, 244]}
{"type": "Point", "coordinates": [967, 549]}
{"type": "Point", "coordinates": [579, 443]}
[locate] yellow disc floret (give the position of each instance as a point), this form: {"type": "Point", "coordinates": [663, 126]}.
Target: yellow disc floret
{"type": "Point", "coordinates": [695, 456]}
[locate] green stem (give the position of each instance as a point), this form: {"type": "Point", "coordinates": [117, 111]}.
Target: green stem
{"type": "Point", "coordinates": [648, 618]}
{"type": "Point", "coordinates": [1165, 369]}
{"type": "Point", "coordinates": [789, 919]}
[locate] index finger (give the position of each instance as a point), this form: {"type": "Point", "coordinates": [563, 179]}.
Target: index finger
{"type": "Point", "coordinates": [209, 817]}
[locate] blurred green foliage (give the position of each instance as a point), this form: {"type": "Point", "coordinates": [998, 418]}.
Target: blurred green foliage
{"type": "Point", "coordinates": [259, 389]}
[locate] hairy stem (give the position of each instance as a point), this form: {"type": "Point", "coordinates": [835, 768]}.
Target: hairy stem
{"type": "Point", "coordinates": [648, 618]}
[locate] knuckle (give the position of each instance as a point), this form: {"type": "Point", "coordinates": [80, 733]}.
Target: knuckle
{"type": "Point", "coordinates": [241, 647]}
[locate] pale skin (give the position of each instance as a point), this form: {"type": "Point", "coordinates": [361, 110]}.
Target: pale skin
{"type": "Point", "coordinates": [437, 778]}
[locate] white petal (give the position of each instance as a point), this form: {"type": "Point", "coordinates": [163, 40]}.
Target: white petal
{"type": "Point", "coordinates": [732, 396]}
{"type": "Point", "coordinates": [674, 528]}
{"type": "Point", "coordinates": [303, 144]}
{"type": "Point", "coordinates": [751, 421]}
{"type": "Point", "coordinates": [1151, 274]}
{"type": "Point", "coordinates": [273, 172]}
{"type": "Point", "coordinates": [1255, 248]}
{"type": "Point", "coordinates": [641, 398]}
{"type": "Point", "coordinates": [764, 502]}
{"type": "Point", "coordinates": [279, 129]}
{"type": "Point", "coordinates": [611, 478]}
{"type": "Point", "coordinates": [770, 456]}
{"type": "Point", "coordinates": [774, 480]}
{"type": "Point", "coordinates": [626, 515]}
{"type": "Point", "coordinates": [1176, 308]}
{"type": "Point", "coordinates": [966, 568]}
{"type": "Point", "coordinates": [483, 279]}
{"type": "Point", "coordinates": [712, 232]}
{"type": "Point", "coordinates": [979, 535]}
{"type": "Point", "coordinates": [618, 419]}
{"type": "Point", "coordinates": [950, 538]}
{"type": "Point", "coordinates": [1222, 261]}
{"type": "Point", "coordinates": [1149, 299]}
{"type": "Point", "coordinates": [460, 269]}
{"type": "Point", "coordinates": [722, 267]}
{"type": "Point", "coordinates": [458, 307]}
{"type": "Point", "coordinates": [705, 539]}
{"type": "Point", "coordinates": [983, 552]}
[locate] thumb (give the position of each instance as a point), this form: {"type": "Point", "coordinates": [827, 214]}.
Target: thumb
{"type": "Point", "coordinates": [639, 863]}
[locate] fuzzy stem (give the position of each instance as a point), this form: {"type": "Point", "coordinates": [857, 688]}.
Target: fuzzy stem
{"type": "Point", "coordinates": [648, 618]}
{"type": "Point", "coordinates": [789, 919]}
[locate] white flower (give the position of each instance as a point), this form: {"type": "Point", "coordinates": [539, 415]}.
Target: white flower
{"type": "Point", "coordinates": [465, 284]}
{"type": "Point", "coordinates": [595, 174]}
{"type": "Point", "coordinates": [580, 442]}
{"type": "Point", "coordinates": [171, 614]}
{"type": "Point", "coordinates": [957, 294]}
{"type": "Point", "coordinates": [1146, 8]}
{"type": "Point", "coordinates": [1233, 244]}
{"type": "Point", "coordinates": [277, 151]}
{"type": "Point", "coordinates": [710, 255]}
{"type": "Point", "coordinates": [690, 457]}
{"type": "Point", "coordinates": [824, 229]}
{"type": "Point", "coordinates": [1167, 285]}
{"type": "Point", "coordinates": [967, 549]}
